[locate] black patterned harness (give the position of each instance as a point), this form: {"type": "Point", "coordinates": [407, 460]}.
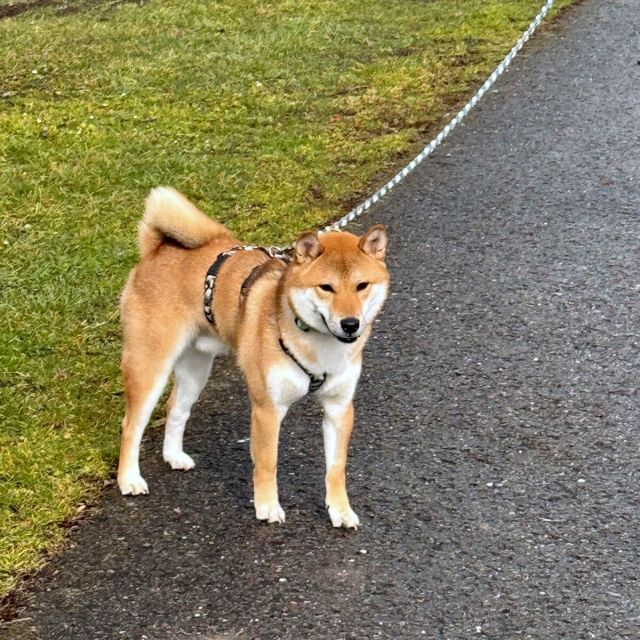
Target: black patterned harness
{"type": "Point", "coordinates": [221, 258]}
{"type": "Point", "coordinates": [315, 382]}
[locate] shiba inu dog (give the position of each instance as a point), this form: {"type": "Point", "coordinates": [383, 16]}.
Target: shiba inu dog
{"type": "Point", "coordinates": [297, 323]}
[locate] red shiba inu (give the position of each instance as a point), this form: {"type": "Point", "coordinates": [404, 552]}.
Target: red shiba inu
{"type": "Point", "coordinates": [297, 324]}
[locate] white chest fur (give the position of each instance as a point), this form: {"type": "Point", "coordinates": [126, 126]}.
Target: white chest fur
{"type": "Point", "coordinates": [287, 382]}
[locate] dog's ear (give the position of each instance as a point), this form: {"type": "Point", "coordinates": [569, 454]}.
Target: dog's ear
{"type": "Point", "coordinates": [307, 247]}
{"type": "Point", "coordinates": [374, 242]}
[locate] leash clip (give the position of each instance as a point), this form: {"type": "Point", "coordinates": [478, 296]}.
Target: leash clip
{"type": "Point", "coordinates": [279, 253]}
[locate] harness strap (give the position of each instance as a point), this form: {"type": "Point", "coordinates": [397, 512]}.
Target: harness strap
{"type": "Point", "coordinates": [315, 382]}
{"type": "Point", "coordinates": [210, 282]}
{"type": "Point", "coordinates": [255, 274]}
{"type": "Point", "coordinates": [221, 258]}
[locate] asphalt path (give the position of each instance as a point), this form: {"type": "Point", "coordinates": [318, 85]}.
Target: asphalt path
{"type": "Point", "coordinates": [495, 461]}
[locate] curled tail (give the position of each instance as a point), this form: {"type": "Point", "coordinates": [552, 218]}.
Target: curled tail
{"type": "Point", "coordinates": [169, 215]}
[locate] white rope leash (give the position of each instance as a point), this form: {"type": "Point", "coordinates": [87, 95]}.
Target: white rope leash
{"type": "Point", "coordinates": [457, 119]}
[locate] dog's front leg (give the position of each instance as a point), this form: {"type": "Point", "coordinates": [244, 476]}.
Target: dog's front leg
{"type": "Point", "coordinates": [265, 428]}
{"type": "Point", "coordinates": [336, 427]}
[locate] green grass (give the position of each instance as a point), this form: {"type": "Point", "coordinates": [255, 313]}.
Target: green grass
{"type": "Point", "coordinates": [274, 117]}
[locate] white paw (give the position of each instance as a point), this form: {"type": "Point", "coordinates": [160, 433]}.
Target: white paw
{"type": "Point", "coordinates": [344, 518]}
{"type": "Point", "coordinates": [270, 512]}
{"type": "Point", "coordinates": [132, 484]}
{"type": "Point", "coordinates": [179, 460]}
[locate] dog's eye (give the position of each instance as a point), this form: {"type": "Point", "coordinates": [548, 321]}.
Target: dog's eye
{"type": "Point", "coordinates": [327, 287]}
{"type": "Point", "coordinates": [362, 286]}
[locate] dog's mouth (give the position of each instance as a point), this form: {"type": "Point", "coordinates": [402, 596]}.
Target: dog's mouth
{"type": "Point", "coordinates": [345, 339]}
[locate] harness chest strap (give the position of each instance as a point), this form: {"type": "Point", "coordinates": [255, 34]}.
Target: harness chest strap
{"type": "Point", "coordinates": [315, 382]}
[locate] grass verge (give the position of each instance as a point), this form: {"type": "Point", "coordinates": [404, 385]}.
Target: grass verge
{"type": "Point", "coordinates": [271, 116]}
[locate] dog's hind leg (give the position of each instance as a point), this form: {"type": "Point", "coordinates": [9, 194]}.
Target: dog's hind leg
{"type": "Point", "coordinates": [145, 373]}
{"type": "Point", "coordinates": [191, 372]}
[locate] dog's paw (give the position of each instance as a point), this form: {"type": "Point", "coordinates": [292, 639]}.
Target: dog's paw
{"type": "Point", "coordinates": [179, 460]}
{"type": "Point", "coordinates": [132, 484]}
{"type": "Point", "coordinates": [271, 512]}
{"type": "Point", "coordinates": [343, 518]}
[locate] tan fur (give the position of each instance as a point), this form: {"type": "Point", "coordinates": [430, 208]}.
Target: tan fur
{"type": "Point", "coordinates": [165, 330]}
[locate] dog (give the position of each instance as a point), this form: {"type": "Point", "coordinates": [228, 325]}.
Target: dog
{"type": "Point", "coordinates": [297, 322]}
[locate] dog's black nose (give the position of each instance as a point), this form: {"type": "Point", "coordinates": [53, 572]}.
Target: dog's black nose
{"type": "Point", "coordinates": [350, 325]}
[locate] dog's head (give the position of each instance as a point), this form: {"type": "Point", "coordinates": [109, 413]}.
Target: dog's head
{"type": "Point", "coordinates": [339, 281]}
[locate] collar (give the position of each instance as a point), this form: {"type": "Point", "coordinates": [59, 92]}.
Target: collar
{"type": "Point", "coordinates": [302, 325]}
{"type": "Point", "coordinates": [315, 382]}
